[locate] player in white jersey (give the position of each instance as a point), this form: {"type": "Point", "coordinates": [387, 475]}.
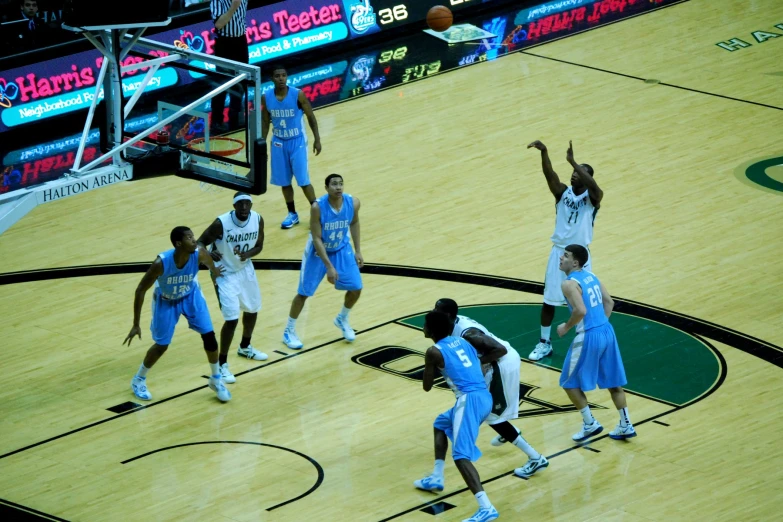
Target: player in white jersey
{"type": "Point", "coordinates": [502, 378]}
{"type": "Point", "coordinates": [236, 237]}
{"type": "Point", "coordinates": [576, 207]}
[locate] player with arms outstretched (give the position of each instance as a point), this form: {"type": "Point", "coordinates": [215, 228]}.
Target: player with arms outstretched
{"type": "Point", "coordinates": [576, 207]}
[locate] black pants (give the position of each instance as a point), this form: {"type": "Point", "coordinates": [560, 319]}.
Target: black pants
{"type": "Point", "coordinates": [231, 48]}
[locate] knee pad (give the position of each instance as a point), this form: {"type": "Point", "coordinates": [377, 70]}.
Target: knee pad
{"type": "Point", "coordinates": [210, 342]}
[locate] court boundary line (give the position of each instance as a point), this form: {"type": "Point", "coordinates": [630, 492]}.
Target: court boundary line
{"type": "Point", "coordinates": [517, 51]}
{"type": "Point", "coordinates": [508, 283]}
{"type": "Point", "coordinates": [665, 84]}
{"type": "Point", "coordinates": [30, 511]}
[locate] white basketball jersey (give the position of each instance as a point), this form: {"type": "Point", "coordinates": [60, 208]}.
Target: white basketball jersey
{"type": "Point", "coordinates": [466, 323]}
{"type": "Point", "coordinates": [236, 239]}
{"type": "Point", "coordinates": [574, 220]}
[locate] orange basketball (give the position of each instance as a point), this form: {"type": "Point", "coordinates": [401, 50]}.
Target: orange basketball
{"type": "Point", "coordinates": [439, 18]}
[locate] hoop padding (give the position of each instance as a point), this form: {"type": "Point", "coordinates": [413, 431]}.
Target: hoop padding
{"type": "Point", "coordinates": [238, 145]}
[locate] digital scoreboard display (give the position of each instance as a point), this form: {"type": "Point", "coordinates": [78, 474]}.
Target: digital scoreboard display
{"type": "Point", "coordinates": [393, 13]}
{"type": "Point", "coordinates": [38, 91]}
{"type": "Point", "coordinates": [358, 72]}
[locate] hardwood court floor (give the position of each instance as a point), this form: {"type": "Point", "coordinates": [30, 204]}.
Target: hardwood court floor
{"type": "Point", "coordinates": [445, 183]}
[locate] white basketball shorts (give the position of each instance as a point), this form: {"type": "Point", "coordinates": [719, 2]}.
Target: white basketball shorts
{"type": "Point", "coordinates": [503, 383]}
{"type": "Point", "coordinates": [238, 291]}
{"type": "Point", "coordinates": [553, 281]}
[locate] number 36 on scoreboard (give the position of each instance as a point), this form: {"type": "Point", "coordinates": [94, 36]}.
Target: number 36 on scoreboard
{"type": "Point", "coordinates": [413, 10]}
{"type": "Point", "coordinates": [393, 14]}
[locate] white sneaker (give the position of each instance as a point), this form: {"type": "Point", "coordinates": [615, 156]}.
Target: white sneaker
{"type": "Point", "coordinates": [531, 467]}
{"type": "Point", "coordinates": [252, 353]}
{"type": "Point", "coordinates": [622, 433]}
{"type": "Point", "coordinates": [499, 441]}
{"type": "Point", "coordinates": [484, 515]}
{"type": "Point", "coordinates": [226, 374]}
{"type": "Point", "coordinates": [220, 389]}
{"type": "Point", "coordinates": [139, 387]}
{"type": "Point", "coordinates": [430, 483]}
{"type": "Point", "coordinates": [541, 350]}
{"type": "Point", "coordinates": [291, 339]}
{"type": "Point", "coordinates": [342, 324]}
{"type": "Point", "coordinates": [587, 431]}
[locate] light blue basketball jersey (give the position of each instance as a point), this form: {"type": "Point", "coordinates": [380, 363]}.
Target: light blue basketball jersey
{"type": "Point", "coordinates": [176, 283]}
{"type": "Point", "coordinates": [287, 117]}
{"type": "Point", "coordinates": [462, 368]}
{"type": "Point", "coordinates": [591, 295]}
{"type": "Point", "coordinates": [335, 226]}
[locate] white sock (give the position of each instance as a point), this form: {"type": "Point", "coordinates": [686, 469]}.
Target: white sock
{"type": "Point", "coordinates": [546, 333]}
{"type": "Point", "coordinates": [625, 420]}
{"type": "Point", "coordinates": [291, 324]}
{"type": "Point", "coordinates": [438, 471]}
{"type": "Point", "coordinates": [586, 415]}
{"type": "Point", "coordinates": [142, 373]}
{"type": "Point", "coordinates": [215, 369]}
{"type": "Point", "coordinates": [483, 500]}
{"type": "Point", "coordinates": [522, 444]}
{"type": "Point", "coordinates": [344, 312]}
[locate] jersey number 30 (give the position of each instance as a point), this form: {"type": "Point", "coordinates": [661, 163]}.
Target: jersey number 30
{"type": "Point", "coordinates": [464, 358]}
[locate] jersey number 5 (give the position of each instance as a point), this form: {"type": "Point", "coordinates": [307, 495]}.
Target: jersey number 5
{"type": "Point", "coordinates": [464, 358]}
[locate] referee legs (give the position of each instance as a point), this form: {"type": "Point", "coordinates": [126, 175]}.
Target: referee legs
{"type": "Point", "coordinates": [231, 48]}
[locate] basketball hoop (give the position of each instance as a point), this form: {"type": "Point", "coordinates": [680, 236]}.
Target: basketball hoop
{"type": "Point", "coordinates": [219, 146]}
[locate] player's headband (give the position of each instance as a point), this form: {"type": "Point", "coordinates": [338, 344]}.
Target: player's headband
{"type": "Point", "coordinates": [242, 197]}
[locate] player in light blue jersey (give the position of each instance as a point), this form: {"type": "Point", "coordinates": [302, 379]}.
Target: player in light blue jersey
{"type": "Point", "coordinates": [459, 364]}
{"type": "Point", "coordinates": [177, 292]}
{"type": "Point", "coordinates": [284, 110]}
{"type": "Point", "coordinates": [334, 217]}
{"type": "Point", "coordinates": [502, 378]}
{"type": "Point", "coordinates": [594, 355]}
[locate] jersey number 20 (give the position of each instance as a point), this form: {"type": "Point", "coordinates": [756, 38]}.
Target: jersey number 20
{"type": "Point", "coordinates": [595, 295]}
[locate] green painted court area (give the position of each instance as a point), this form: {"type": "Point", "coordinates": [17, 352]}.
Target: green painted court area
{"type": "Point", "coordinates": [660, 361]}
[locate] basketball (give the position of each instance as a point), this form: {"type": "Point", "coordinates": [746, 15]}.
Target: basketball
{"type": "Point", "coordinates": [439, 18]}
